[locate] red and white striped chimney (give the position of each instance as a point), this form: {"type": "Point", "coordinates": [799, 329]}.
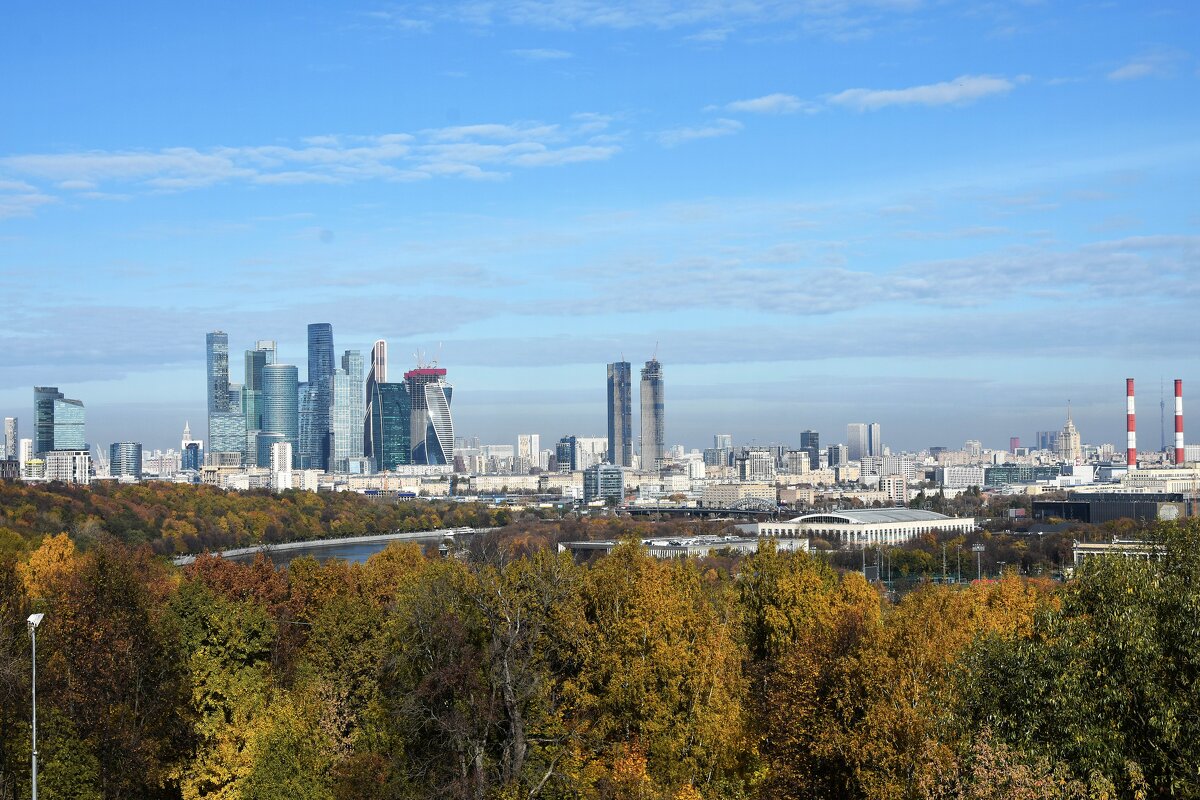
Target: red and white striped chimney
{"type": "Point", "coordinates": [1130, 426]}
{"type": "Point", "coordinates": [1178, 422]}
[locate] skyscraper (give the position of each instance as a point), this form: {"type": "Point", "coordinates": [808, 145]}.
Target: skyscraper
{"type": "Point", "coordinates": [389, 425]}
{"type": "Point", "coordinates": [125, 459]}
{"type": "Point", "coordinates": [432, 425]}
{"type": "Point", "coordinates": [346, 414]}
{"type": "Point", "coordinates": [217, 349]}
{"type": "Point", "coordinates": [226, 423]}
{"type": "Point", "coordinates": [281, 402]}
{"type": "Point", "coordinates": [874, 440]}
{"type": "Point", "coordinates": [653, 415]}
{"type": "Point", "coordinates": [856, 441]}
{"type": "Point", "coordinates": [58, 421]}
{"type": "Point", "coordinates": [10, 437]}
{"type": "Point", "coordinates": [810, 442]}
{"type": "Point", "coordinates": [376, 374]}
{"type": "Point", "coordinates": [620, 414]}
{"type": "Point", "coordinates": [256, 359]}
{"type": "Point", "coordinates": [314, 443]}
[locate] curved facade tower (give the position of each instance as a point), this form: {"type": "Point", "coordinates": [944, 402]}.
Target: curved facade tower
{"type": "Point", "coordinates": [653, 415]}
{"type": "Point", "coordinates": [432, 425]}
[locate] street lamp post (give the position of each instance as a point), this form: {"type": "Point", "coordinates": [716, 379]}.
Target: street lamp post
{"type": "Point", "coordinates": [978, 550]}
{"type": "Point", "coordinates": [34, 621]}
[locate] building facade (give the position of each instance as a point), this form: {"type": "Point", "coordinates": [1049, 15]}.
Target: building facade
{"type": "Point", "coordinates": [281, 412]}
{"type": "Point", "coordinates": [314, 443]}
{"type": "Point", "coordinates": [389, 424]}
{"type": "Point", "coordinates": [620, 414]}
{"type": "Point", "coordinates": [604, 482]}
{"type": "Point", "coordinates": [432, 431]}
{"type": "Point", "coordinates": [653, 416]}
{"type": "Point", "coordinates": [11, 441]}
{"type": "Point", "coordinates": [346, 412]}
{"type": "Point", "coordinates": [125, 460]}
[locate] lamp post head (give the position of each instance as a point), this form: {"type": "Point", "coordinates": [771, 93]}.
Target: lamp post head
{"type": "Point", "coordinates": [35, 620]}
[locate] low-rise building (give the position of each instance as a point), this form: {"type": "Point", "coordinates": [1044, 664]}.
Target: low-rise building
{"type": "Point", "coordinates": [867, 527]}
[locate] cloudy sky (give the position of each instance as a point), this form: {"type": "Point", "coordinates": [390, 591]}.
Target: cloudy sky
{"type": "Point", "coordinates": [950, 217]}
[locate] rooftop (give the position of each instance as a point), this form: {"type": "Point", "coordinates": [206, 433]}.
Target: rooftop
{"type": "Point", "coordinates": [869, 516]}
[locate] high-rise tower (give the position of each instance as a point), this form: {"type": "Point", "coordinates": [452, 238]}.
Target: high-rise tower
{"type": "Point", "coordinates": [620, 414]}
{"type": "Point", "coordinates": [58, 422]}
{"type": "Point", "coordinates": [432, 426]}
{"type": "Point", "coordinates": [857, 445]}
{"type": "Point", "coordinates": [653, 416]}
{"type": "Point", "coordinates": [346, 412]}
{"type": "Point", "coordinates": [280, 402]}
{"type": "Point", "coordinates": [315, 444]}
{"type": "Point", "coordinates": [10, 437]}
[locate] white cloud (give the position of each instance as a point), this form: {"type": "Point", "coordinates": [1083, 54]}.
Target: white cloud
{"type": "Point", "coordinates": [777, 103]}
{"type": "Point", "coordinates": [541, 54]}
{"type": "Point", "coordinates": [484, 151]}
{"type": "Point", "coordinates": [677, 136]}
{"type": "Point", "coordinates": [1134, 70]}
{"type": "Point", "coordinates": [960, 91]}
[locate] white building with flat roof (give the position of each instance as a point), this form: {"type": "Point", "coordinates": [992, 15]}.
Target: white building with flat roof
{"type": "Point", "coordinates": [868, 526]}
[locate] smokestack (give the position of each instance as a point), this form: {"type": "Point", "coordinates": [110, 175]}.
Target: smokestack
{"type": "Point", "coordinates": [1130, 426]}
{"type": "Point", "coordinates": [1178, 422]}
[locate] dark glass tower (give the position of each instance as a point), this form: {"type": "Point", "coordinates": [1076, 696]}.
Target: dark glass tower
{"type": "Point", "coordinates": [432, 426]}
{"type": "Point", "coordinates": [810, 442]}
{"type": "Point", "coordinates": [620, 414]}
{"type": "Point", "coordinates": [389, 424]}
{"type": "Point", "coordinates": [315, 444]}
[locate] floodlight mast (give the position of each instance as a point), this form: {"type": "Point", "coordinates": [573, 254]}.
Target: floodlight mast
{"type": "Point", "coordinates": [34, 621]}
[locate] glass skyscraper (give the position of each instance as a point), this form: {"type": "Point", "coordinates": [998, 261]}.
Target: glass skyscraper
{"type": "Point", "coordinates": [432, 426]}
{"type": "Point", "coordinates": [281, 412]}
{"type": "Point", "coordinates": [125, 459]}
{"type": "Point", "coordinates": [226, 423]}
{"type": "Point", "coordinates": [389, 425]}
{"type": "Point", "coordinates": [314, 443]}
{"type": "Point", "coordinates": [346, 415]}
{"type": "Point", "coordinates": [10, 437]}
{"type": "Point", "coordinates": [58, 422]}
{"type": "Point", "coordinates": [620, 414]}
{"type": "Point", "coordinates": [653, 415]}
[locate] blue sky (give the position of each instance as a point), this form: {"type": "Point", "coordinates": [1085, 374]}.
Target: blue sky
{"type": "Point", "coordinates": [950, 217]}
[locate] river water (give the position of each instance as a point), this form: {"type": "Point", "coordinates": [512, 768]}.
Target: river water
{"type": "Point", "coordinates": [355, 553]}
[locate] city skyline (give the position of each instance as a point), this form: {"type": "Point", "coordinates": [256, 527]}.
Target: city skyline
{"type": "Point", "coordinates": [947, 218]}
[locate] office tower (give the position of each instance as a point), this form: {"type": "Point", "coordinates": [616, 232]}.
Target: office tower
{"type": "Point", "coordinates": [653, 416]}
{"type": "Point", "coordinates": [432, 427]}
{"type": "Point", "coordinates": [723, 441]}
{"type": "Point", "coordinates": [281, 412]}
{"type": "Point", "coordinates": [1014, 444]}
{"type": "Point", "coordinates": [604, 482]}
{"type": "Point", "coordinates": [620, 414]}
{"type": "Point", "coordinates": [389, 425]}
{"type": "Point", "coordinates": [217, 350]}
{"type": "Point", "coordinates": [857, 446]}
{"type": "Point", "coordinates": [315, 424]}
{"type": "Point", "coordinates": [564, 454]}
{"type": "Point", "coordinates": [346, 412]}
{"type": "Point", "coordinates": [125, 459]}
{"type": "Point", "coordinates": [376, 374]}
{"type": "Point", "coordinates": [874, 442]}
{"type": "Point", "coordinates": [10, 437]}
{"type": "Point", "coordinates": [263, 446]}
{"type": "Point", "coordinates": [256, 360]}
{"type": "Point", "coordinates": [838, 455]}
{"type": "Point", "coordinates": [58, 421]}
{"type": "Point", "coordinates": [43, 417]}
{"type": "Point", "coordinates": [192, 457]}
{"type": "Point", "coordinates": [810, 442]}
